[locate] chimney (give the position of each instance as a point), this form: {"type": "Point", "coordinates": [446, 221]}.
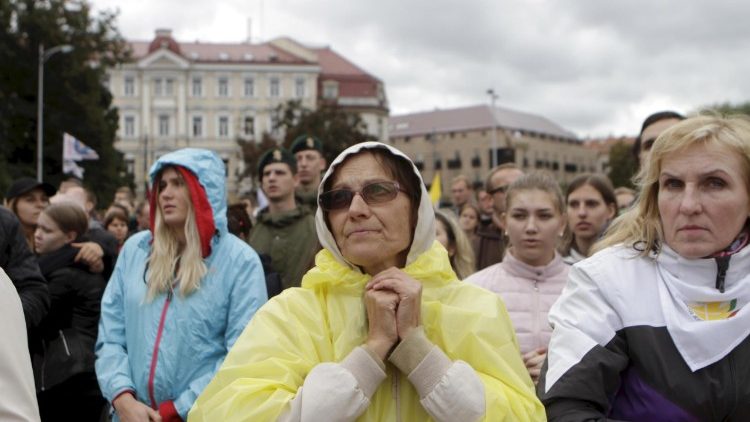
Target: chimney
{"type": "Point", "coordinates": [164, 32]}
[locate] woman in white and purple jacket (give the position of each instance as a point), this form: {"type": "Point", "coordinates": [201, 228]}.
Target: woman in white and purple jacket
{"type": "Point", "coordinates": [532, 274]}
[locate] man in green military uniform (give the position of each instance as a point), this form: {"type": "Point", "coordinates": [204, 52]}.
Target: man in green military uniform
{"type": "Point", "coordinates": [308, 151]}
{"type": "Point", "coordinates": [284, 231]}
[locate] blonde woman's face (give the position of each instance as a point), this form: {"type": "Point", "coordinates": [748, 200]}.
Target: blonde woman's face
{"type": "Point", "coordinates": [533, 224]}
{"type": "Point", "coordinates": [703, 200]}
{"type": "Point", "coordinates": [174, 198]}
{"type": "Point", "coordinates": [468, 219]}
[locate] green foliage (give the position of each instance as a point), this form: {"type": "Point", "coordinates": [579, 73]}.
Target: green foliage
{"type": "Point", "coordinates": [728, 108]}
{"type": "Point", "coordinates": [76, 99]}
{"type": "Point", "coordinates": [622, 164]}
{"type": "Point", "coordinates": [335, 128]}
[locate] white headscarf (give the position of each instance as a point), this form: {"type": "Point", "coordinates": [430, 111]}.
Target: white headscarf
{"type": "Point", "coordinates": [424, 233]}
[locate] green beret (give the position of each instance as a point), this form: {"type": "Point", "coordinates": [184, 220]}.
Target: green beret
{"type": "Point", "coordinates": [276, 155]}
{"type": "Point", "coordinates": [304, 142]}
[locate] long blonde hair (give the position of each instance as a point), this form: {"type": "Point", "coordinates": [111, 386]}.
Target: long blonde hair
{"type": "Point", "coordinates": [462, 261]}
{"type": "Point", "coordinates": [166, 266]}
{"type": "Point", "coordinates": [640, 227]}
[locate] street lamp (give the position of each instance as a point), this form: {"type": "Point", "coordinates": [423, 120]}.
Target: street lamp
{"type": "Point", "coordinates": [493, 154]}
{"type": "Point", "coordinates": [43, 57]}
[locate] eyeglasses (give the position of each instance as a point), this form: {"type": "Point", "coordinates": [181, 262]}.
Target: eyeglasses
{"type": "Point", "coordinates": [499, 189]}
{"type": "Point", "coordinates": [371, 193]}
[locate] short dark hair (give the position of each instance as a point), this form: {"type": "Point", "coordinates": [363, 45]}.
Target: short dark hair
{"type": "Point", "coordinates": [650, 120]}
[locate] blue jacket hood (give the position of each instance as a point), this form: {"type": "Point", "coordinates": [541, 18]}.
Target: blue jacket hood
{"type": "Point", "coordinates": [210, 171]}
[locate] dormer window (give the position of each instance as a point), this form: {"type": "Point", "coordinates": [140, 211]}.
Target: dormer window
{"type": "Point", "coordinates": [330, 90]}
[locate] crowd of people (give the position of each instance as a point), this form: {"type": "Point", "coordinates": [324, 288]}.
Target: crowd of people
{"type": "Point", "coordinates": [351, 296]}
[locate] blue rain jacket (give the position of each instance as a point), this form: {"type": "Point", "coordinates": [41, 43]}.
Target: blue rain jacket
{"type": "Point", "coordinates": [182, 355]}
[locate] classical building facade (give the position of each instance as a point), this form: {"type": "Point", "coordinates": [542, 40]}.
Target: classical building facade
{"type": "Point", "coordinates": [460, 141]}
{"type": "Point", "coordinates": [209, 95]}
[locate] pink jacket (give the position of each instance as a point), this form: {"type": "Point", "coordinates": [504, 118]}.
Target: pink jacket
{"type": "Point", "coordinates": [528, 293]}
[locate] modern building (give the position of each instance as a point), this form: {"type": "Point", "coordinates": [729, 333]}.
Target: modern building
{"type": "Point", "coordinates": [461, 140]}
{"type": "Point", "coordinates": [210, 95]}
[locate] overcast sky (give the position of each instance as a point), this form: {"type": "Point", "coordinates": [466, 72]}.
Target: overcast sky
{"type": "Point", "coordinates": [595, 67]}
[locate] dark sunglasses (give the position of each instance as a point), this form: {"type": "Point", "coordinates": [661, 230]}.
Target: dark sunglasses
{"type": "Point", "coordinates": [499, 189]}
{"type": "Point", "coordinates": [372, 193]}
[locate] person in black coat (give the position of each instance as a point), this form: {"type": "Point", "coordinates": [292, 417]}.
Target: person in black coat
{"type": "Point", "coordinates": [66, 384]}
{"type": "Point", "coordinates": [21, 266]}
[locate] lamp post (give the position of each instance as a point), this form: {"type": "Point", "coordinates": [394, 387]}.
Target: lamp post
{"type": "Point", "coordinates": [493, 154]}
{"type": "Point", "coordinates": [43, 57]}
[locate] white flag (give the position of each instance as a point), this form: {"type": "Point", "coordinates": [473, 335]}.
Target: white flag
{"type": "Point", "coordinates": [75, 150]}
{"type": "Point", "coordinates": [70, 167]}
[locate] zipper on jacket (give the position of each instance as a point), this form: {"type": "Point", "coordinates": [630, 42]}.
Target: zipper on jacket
{"type": "Point", "coordinates": [44, 363]}
{"type": "Point", "coordinates": [155, 355]}
{"type": "Point", "coordinates": [65, 343]}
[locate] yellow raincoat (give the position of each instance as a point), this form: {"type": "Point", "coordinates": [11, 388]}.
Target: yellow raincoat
{"type": "Point", "coordinates": [326, 318]}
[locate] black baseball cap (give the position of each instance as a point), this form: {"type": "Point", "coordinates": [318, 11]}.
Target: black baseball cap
{"type": "Point", "coordinates": [27, 184]}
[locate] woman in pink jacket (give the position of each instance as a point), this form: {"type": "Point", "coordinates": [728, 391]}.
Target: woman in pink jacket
{"type": "Point", "coordinates": [532, 273]}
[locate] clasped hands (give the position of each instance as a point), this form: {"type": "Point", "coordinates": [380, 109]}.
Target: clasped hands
{"type": "Point", "coordinates": [393, 303]}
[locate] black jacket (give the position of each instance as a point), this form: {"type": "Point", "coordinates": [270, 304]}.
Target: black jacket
{"type": "Point", "coordinates": [69, 331]}
{"type": "Point", "coordinates": [21, 266]}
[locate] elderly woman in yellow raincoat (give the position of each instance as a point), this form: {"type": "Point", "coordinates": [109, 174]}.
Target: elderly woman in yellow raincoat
{"type": "Point", "coordinates": [381, 329]}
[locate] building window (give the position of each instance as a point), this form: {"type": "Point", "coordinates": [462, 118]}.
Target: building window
{"type": "Point", "coordinates": [197, 126]}
{"type": "Point", "coordinates": [249, 87]}
{"type": "Point", "coordinates": [158, 87]}
{"type": "Point", "coordinates": [129, 126]}
{"type": "Point", "coordinates": [223, 87]}
{"type": "Point", "coordinates": [248, 126]}
{"type": "Point", "coordinates": [275, 88]}
{"type": "Point", "coordinates": [330, 89]}
{"type": "Point", "coordinates": [129, 86]}
{"type": "Point", "coordinates": [223, 127]}
{"type": "Point", "coordinates": [299, 88]}
{"type": "Point", "coordinates": [163, 125]}
{"type": "Point", "coordinates": [197, 87]}
{"type": "Point", "coordinates": [168, 86]}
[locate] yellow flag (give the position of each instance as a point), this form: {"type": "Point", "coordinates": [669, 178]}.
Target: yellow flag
{"type": "Point", "coordinates": [435, 189]}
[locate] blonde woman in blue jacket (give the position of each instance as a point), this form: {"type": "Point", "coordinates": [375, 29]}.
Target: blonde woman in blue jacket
{"type": "Point", "coordinates": [179, 296]}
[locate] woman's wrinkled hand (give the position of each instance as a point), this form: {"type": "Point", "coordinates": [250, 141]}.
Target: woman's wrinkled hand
{"type": "Point", "coordinates": [534, 361]}
{"type": "Point", "coordinates": [409, 291]}
{"type": "Point", "coordinates": [381, 308]}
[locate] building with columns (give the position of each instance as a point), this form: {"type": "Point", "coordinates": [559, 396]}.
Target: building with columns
{"type": "Point", "coordinates": [209, 95]}
{"type": "Point", "coordinates": [461, 140]}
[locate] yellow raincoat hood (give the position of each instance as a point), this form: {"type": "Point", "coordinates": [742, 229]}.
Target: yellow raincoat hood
{"type": "Point", "coordinates": [325, 319]}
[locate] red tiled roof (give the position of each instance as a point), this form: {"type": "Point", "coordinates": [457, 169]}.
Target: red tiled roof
{"type": "Point", "coordinates": [235, 52]}
{"type": "Point", "coordinates": [353, 80]}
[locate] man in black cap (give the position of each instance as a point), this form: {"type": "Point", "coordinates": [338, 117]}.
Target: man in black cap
{"type": "Point", "coordinates": [284, 231]}
{"type": "Point", "coordinates": [308, 151]}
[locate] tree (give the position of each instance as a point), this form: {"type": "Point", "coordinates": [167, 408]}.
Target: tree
{"type": "Point", "coordinates": [622, 165]}
{"type": "Point", "coordinates": [336, 129]}
{"type": "Point", "coordinates": [76, 99]}
{"type": "Point", "coordinates": [728, 108]}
